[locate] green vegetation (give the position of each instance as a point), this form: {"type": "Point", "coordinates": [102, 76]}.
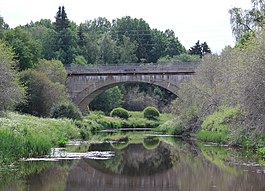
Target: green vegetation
{"type": "Point", "coordinates": [151, 143]}
{"type": "Point", "coordinates": [220, 155]}
{"type": "Point", "coordinates": [224, 101]}
{"type": "Point", "coordinates": [24, 136]}
{"type": "Point", "coordinates": [151, 113]}
{"type": "Point", "coordinates": [178, 59]}
{"type": "Point", "coordinates": [119, 112]}
{"type": "Point", "coordinates": [11, 93]}
{"type": "Point", "coordinates": [45, 87]}
{"type": "Point", "coordinates": [107, 101]}
{"type": "Point", "coordinates": [217, 126]}
{"type": "Point", "coordinates": [66, 110]}
{"type": "Point", "coordinates": [97, 121]}
{"type": "Point", "coordinates": [172, 127]}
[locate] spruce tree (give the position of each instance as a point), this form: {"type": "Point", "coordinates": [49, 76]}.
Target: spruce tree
{"type": "Point", "coordinates": [200, 49]}
{"type": "Point", "coordinates": [205, 49]}
{"type": "Point", "coordinates": [61, 20]}
{"type": "Point", "coordinates": [196, 49]}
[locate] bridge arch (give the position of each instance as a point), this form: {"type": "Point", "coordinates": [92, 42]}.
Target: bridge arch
{"type": "Point", "coordinates": [84, 86]}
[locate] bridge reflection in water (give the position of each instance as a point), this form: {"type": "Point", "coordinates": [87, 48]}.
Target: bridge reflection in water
{"type": "Point", "coordinates": [134, 168]}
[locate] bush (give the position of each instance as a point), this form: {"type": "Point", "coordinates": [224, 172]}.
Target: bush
{"type": "Point", "coordinates": [172, 127]}
{"type": "Point", "coordinates": [66, 110]}
{"type": "Point", "coordinates": [151, 113]}
{"type": "Point", "coordinates": [119, 112]}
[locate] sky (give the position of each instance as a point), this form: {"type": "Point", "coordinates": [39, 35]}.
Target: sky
{"type": "Point", "coordinates": [191, 20]}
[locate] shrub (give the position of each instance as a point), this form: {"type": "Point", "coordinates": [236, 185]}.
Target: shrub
{"type": "Point", "coordinates": [119, 112]}
{"type": "Point", "coordinates": [172, 127]}
{"type": "Point", "coordinates": [151, 113]}
{"type": "Point", "coordinates": [66, 110]}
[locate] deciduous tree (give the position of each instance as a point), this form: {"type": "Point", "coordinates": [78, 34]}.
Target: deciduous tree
{"type": "Point", "coordinates": [27, 50]}
{"type": "Point", "coordinates": [247, 21]}
{"type": "Point", "coordinates": [11, 93]}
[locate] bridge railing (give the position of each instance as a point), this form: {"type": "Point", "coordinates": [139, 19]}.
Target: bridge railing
{"type": "Point", "coordinates": [131, 68]}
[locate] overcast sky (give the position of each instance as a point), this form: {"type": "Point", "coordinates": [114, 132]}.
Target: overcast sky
{"type": "Point", "coordinates": [191, 20]}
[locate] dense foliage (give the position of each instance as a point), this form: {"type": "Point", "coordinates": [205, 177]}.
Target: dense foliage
{"type": "Point", "coordinates": [97, 41]}
{"type": "Point", "coordinates": [45, 87]}
{"type": "Point", "coordinates": [108, 100]}
{"type": "Point", "coordinates": [151, 113]}
{"type": "Point", "coordinates": [11, 93]}
{"type": "Point", "coordinates": [200, 49]}
{"type": "Point", "coordinates": [66, 110]}
{"type": "Point", "coordinates": [119, 112]}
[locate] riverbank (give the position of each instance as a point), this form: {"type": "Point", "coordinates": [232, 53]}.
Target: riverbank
{"type": "Point", "coordinates": [226, 127]}
{"type": "Point", "coordinates": [23, 136]}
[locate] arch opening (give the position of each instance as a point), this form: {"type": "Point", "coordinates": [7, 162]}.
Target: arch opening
{"type": "Point", "coordinates": [135, 96]}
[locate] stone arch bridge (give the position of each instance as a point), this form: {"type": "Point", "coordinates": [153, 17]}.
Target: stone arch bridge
{"type": "Point", "coordinates": [85, 83]}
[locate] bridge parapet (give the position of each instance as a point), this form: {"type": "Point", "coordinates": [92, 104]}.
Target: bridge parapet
{"type": "Point", "coordinates": [147, 68]}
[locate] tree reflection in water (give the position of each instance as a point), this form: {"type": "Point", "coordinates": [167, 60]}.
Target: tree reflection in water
{"type": "Point", "coordinates": [157, 164]}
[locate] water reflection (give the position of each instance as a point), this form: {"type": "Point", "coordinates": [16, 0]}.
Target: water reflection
{"type": "Point", "coordinates": [163, 164]}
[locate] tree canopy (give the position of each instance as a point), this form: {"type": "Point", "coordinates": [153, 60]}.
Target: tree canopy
{"type": "Point", "coordinates": [200, 49]}
{"type": "Point", "coordinates": [11, 93]}
{"type": "Point", "coordinates": [245, 22]}
{"type": "Point", "coordinates": [98, 41]}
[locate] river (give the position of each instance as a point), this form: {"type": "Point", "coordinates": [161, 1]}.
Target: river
{"type": "Point", "coordinates": [141, 162]}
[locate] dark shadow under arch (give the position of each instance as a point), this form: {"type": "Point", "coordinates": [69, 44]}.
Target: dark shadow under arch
{"type": "Point", "coordinates": [89, 94]}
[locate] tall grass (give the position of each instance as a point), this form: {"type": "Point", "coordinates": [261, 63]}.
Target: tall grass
{"type": "Point", "coordinates": [28, 136]}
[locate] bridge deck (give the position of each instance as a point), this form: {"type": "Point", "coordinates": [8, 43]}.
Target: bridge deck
{"type": "Point", "coordinates": [186, 68]}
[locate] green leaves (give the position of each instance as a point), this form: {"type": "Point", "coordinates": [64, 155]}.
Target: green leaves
{"type": "Point", "coordinates": [27, 50]}
{"type": "Point", "coordinates": [45, 87]}
{"type": "Point", "coordinates": [110, 99]}
{"type": "Point", "coordinates": [11, 92]}
{"type": "Point", "coordinates": [245, 21]}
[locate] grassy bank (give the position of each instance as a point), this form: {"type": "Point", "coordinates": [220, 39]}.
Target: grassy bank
{"type": "Point", "coordinates": [23, 136]}
{"type": "Point", "coordinates": [220, 126]}
{"type": "Point", "coordinates": [224, 127]}
{"type": "Point", "coordinates": [27, 136]}
{"type": "Point", "coordinates": [97, 121]}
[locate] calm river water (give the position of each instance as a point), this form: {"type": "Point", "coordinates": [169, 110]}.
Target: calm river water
{"type": "Point", "coordinates": [138, 163]}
